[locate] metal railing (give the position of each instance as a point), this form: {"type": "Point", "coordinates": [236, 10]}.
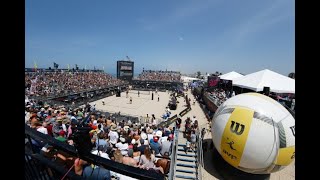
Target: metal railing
{"type": "Point", "coordinates": [174, 155]}
{"type": "Point", "coordinates": [91, 158]}
{"type": "Point", "coordinates": [200, 163]}
{"type": "Point", "coordinates": [39, 167]}
{"type": "Point", "coordinates": [169, 121]}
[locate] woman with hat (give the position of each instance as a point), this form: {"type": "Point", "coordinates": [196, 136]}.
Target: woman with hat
{"type": "Point", "coordinates": [113, 134]}
{"type": "Point", "coordinates": [135, 130]}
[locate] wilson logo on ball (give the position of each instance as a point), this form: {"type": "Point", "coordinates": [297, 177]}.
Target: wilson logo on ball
{"type": "Point", "coordinates": [236, 129]}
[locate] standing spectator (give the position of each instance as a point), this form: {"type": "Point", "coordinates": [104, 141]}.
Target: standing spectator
{"type": "Point", "coordinates": [166, 147]}
{"type": "Point", "coordinates": [193, 138]}
{"type": "Point", "coordinates": [113, 135]}
{"type": "Point", "coordinates": [178, 123]}
{"type": "Point", "coordinates": [187, 147]}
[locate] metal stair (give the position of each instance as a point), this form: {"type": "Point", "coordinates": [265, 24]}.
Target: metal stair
{"type": "Point", "coordinates": [186, 163]}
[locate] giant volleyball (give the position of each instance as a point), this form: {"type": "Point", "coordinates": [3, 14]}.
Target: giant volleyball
{"type": "Point", "coordinates": [254, 133]}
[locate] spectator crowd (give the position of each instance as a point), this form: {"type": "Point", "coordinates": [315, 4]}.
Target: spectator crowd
{"type": "Point", "coordinates": [135, 144]}
{"type": "Point", "coordinates": [169, 76]}
{"type": "Point", "coordinates": [59, 83]}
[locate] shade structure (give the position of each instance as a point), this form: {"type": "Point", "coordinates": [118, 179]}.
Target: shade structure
{"type": "Point", "coordinates": [266, 78]}
{"type": "Point", "coordinates": [230, 76]}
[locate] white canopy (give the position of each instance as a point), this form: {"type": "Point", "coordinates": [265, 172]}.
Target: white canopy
{"type": "Point", "coordinates": [256, 81]}
{"type": "Point", "coordinates": [230, 76]}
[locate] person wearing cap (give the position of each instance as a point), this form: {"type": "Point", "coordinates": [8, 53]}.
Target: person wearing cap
{"type": "Point", "coordinates": [122, 146]}
{"type": "Point", "coordinates": [155, 146]}
{"type": "Point", "coordinates": [134, 130]}
{"type": "Point", "coordinates": [58, 126]}
{"type": "Point", "coordinates": [113, 134]}
{"type": "Point", "coordinates": [61, 136]}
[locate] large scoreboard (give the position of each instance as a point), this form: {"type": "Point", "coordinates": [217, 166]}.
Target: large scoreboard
{"type": "Point", "coordinates": [125, 70]}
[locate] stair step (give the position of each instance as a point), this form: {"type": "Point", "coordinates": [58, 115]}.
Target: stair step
{"type": "Point", "coordinates": [188, 150]}
{"type": "Point", "coordinates": [187, 165]}
{"type": "Point", "coordinates": [188, 160]}
{"type": "Point", "coordinates": [185, 177]}
{"type": "Point", "coordinates": [189, 155]}
{"type": "Point", "coordinates": [186, 171]}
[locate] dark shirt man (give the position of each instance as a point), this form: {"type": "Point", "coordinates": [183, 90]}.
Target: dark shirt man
{"type": "Point", "coordinates": [97, 173]}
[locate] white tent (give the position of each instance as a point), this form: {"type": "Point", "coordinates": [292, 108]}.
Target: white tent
{"type": "Point", "coordinates": [256, 81]}
{"type": "Point", "coordinates": [230, 76]}
{"type": "Point", "coordinates": [187, 79]}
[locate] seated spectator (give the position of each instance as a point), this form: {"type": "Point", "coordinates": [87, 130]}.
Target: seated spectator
{"type": "Point", "coordinates": [61, 136]}
{"type": "Point", "coordinates": [155, 146]}
{"type": "Point", "coordinates": [122, 146]}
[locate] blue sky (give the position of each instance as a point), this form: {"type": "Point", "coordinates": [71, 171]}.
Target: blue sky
{"type": "Point", "coordinates": [184, 35]}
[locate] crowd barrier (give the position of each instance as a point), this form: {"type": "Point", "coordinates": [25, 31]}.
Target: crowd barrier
{"type": "Point", "coordinates": [97, 160]}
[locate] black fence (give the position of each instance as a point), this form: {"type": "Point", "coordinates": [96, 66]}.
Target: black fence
{"type": "Point", "coordinates": [90, 158]}
{"type": "Point", "coordinates": [68, 96]}
{"type": "Point", "coordinates": [153, 85]}
{"type": "Point", "coordinates": [38, 167]}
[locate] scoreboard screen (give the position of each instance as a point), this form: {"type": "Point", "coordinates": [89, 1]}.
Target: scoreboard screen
{"type": "Point", "coordinates": [125, 70]}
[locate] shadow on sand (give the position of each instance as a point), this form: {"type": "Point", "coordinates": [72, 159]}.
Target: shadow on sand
{"type": "Point", "coordinates": [215, 165]}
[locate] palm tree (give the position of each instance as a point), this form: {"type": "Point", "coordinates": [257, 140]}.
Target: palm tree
{"type": "Point", "coordinates": [198, 74]}
{"type": "Point", "coordinates": [292, 75]}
